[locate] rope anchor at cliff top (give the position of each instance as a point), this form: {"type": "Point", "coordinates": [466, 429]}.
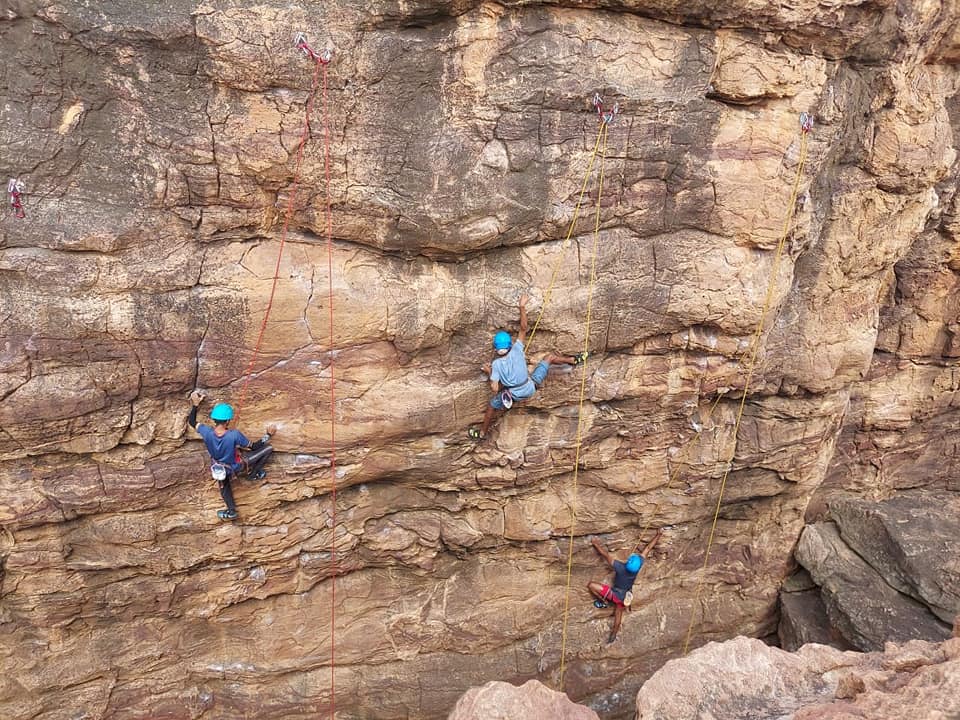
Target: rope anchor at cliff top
{"type": "Point", "coordinates": [324, 56]}
{"type": "Point", "coordinates": [606, 116]}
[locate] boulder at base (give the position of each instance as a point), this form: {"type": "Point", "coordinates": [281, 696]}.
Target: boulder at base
{"type": "Point", "coordinates": [531, 701]}
{"type": "Point", "coordinates": [744, 679]}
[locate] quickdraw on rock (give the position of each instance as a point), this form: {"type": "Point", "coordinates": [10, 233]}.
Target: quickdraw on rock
{"type": "Point", "coordinates": [324, 57]}
{"type": "Point", "coordinates": [15, 188]}
{"type": "Point", "coordinates": [806, 122]}
{"type": "Point", "coordinates": [606, 116]}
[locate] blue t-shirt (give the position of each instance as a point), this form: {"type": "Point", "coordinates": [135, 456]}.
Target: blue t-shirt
{"type": "Point", "coordinates": [623, 579]}
{"type": "Point", "coordinates": [511, 372]}
{"type": "Point", "coordinates": [223, 449]}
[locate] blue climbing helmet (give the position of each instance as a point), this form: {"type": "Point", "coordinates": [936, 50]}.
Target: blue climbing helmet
{"type": "Point", "coordinates": [633, 563]}
{"type": "Point", "coordinates": [502, 340]}
{"type": "Point", "coordinates": [221, 413]}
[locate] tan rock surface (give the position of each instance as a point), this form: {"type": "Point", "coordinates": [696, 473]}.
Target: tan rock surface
{"type": "Point", "coordinates": [158, 148]}
{"type": "Point", "coordinates": [502, 701]}
{"type": "Point", "coordinates": [743, 678]}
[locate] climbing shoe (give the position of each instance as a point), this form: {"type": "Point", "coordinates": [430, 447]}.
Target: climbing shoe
{"type": "Point", "coordinates": [580, 358]}
{"type": "Point", "coordinates": [227, 514]}
{"type": "Point", "coordinates": [259, 475]}
{"type": "Point", "coordinates": [600, 604]}
{"type": "Point", "coordinates": [474, 434]}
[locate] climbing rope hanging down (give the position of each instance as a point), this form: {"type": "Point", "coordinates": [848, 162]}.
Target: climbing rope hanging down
{"type": "Point", "coordinates": [806, 126]}
{"type": "Point", "coordinates": [333, 392]}
{"type": "Point", "coordinates": [606, 117]}
{"type": "Point", "coordinates": [321, 62]}
{"type": "Point", "coordinates": [605, 120]}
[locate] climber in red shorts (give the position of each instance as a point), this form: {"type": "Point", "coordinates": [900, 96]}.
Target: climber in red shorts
{"type": "Point", "coordinates": [624, 574]}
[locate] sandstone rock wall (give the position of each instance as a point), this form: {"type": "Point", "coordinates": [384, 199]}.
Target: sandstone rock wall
{"type": "Point", "coordinates": [880, 572]}
{"type": "Point", "coordinates": [743, 678]}
{"type": "Point", "coordinates": [158, 145]}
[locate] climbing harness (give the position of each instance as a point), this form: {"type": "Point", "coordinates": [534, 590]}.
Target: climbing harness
{"type": "Point", "coordinates": [506, 397]}
{"type": "Point", "coordinates": [806, 125]}
{"type": "Point", "coordinates": [601, 138]}
{"type": "Point", "coordinates": [15, 188]}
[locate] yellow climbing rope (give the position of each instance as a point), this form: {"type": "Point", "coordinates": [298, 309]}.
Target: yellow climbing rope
{"type": "Point", "coordinates": [806, 124]}
{"type": "Point", "coordinates": [601, 132]}
{"type": "Point", "coordinates": [583, 389]}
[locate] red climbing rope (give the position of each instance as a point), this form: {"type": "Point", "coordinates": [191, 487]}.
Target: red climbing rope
{"type": "Point", "coordinates": [320, 63]}
{"type": "Point", "coordinates": [321, 60]}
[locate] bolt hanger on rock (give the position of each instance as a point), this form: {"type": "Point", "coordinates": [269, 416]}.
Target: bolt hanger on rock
{"type": "Point", "coordinates": [324, 56]}
{"type": "Point", "coordinates": [606, 116]}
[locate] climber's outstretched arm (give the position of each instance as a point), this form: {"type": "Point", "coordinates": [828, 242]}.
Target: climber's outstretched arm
{"type": "Point", "coordinates": [196, 397]}
{"type": "Point", "coordinates": [651, 544]}
{"type": "Point", "coordinates": [603, 551]}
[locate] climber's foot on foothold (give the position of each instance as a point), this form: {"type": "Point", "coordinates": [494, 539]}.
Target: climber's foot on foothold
{"type": "Point", "coordinates": [474, 434]}
{"type": "Point", "coordinates": [227, 514]}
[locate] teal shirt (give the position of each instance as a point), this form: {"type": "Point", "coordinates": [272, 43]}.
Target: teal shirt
{"type": "Point", "coordinates": [511, 372]}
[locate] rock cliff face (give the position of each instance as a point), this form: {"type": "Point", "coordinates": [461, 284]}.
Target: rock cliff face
{"type": "Point", "coordinates": [744, 678]}
{"type": "Point", "coordinates": [503, 701]}
{"type": "Point", "coordinates": [885, 571]}
{"type": "Point", "coordinates": [158, 144]}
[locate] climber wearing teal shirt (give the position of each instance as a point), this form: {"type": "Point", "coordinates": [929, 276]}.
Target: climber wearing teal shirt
{"type": "Point", "coordinates": [509, 377]}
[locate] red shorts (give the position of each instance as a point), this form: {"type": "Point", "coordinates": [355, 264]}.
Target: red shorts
{"type": "Point", "coordinates": [609, 595]}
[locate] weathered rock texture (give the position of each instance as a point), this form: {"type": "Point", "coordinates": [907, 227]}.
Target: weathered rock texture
{"type": "Point", "coordinates": [745, 679]}
{"type": "Point", "coordinates": [503, 701]}
{"type": "Point", "coordinates": [157, 144]}
{"type": "Point", "coordinates": [803, 615]}
{"type": "Point", "coordinates": [885, 571]}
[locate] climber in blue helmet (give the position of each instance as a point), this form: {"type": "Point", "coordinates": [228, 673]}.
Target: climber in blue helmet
{"type": "Point", "coordinates": [620, 594]}
{"type": "Point", "coordinates": [510, 379]}
{"type": "Point", "coordinates": [225, 446]}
